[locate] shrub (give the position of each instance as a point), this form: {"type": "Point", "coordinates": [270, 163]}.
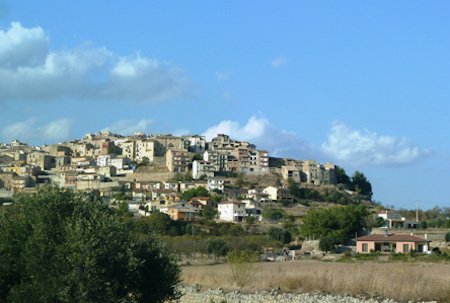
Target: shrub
{"type": "Point", "coordinates": [447, 237]}
{"type": "Point", "coordinates": [273, 214]}
{"type": "Point", "coordinates": [217, 247]}
{"type": "Point", "coordinates": [327, 243]}
{"type": "Point", "coordinates": [62, 246]}
{"type": "Point", "coordinates": [280, 234]}
{"type": "Point", "coordinates": [242, 266]}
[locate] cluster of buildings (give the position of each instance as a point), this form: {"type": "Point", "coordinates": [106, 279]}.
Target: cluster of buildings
{"type": "Point", "coordinates": [145, 167]}
{"type": "Point", "coordinates": [309, 171]}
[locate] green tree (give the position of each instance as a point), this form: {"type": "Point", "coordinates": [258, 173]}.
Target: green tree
{"type": "Point", "coordinates": [361, 184]}
{"type": "Point", "coordinates": [217, 247]}
{"type": "Point", "coordinates": [328, 243]}
{"type": "Point", "coordinates": [123, 210]}
{"type": "Point", "coordinates": [273, 214]}
{"type": "Point", "coordinates": [249, 222]}
{"type": "Point", "coordinates": [280, 234]}
{"type": "Point", "coordinates": [195, 192]}
{"type": "Point", "coordinates": [62, 246]}
{"type": "Point", "coordinates": [447, 237]}
{"type": "Point", "coordinates": [145, 161]}
{"type": "Point", "coordinates": [342, 177]}
{"type": "Point", "coordinates": [240, 180]}
{"type": "Point", "coordinates": [162, 224]}
{"type": "Point", "coordinates": [197, 157]}
{"type": "Point", "coordinates": [209, 212]}
{"type": "Point", "coordinates": [342, 223]}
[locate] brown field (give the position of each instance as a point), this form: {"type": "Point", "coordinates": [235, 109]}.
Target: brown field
{"type": "Point", "coordinates": [400, 281]}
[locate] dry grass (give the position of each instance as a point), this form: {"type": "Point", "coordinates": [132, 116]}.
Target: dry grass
{"type": "Point", "coordinates": [401, 281]}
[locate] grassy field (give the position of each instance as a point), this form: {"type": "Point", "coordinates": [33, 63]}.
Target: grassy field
{"type": "Point", "coordinates": [401, 281]}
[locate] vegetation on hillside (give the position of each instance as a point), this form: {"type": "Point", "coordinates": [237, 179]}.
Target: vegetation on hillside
{"type": "Point", "coordinates": [436, 217]}
{"type": "Point", "coordinates": [334, 225]}
{"type": "Point", "coordinates": [62, 246]}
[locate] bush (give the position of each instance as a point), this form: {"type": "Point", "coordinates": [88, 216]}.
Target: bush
{"type": "Point", "coordinates": [242, 266]}
{"type": "Point", "coordinates": [327, 243]}
{"type": "Point", "coordinates": [195, 192]}
{"type": "Point", "coordinates": [62, 246]}
{"type": "Point", "coordinates": [447, 237]}
{"type": "Point", "coordinates": [273, 214]}
{"type": "Point", "coordinates": [217, 247]}
{"type": "Point", "coordinates": [279, 234]}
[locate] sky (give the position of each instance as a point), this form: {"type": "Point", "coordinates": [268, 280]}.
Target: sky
{"type": "Point", "coordinates": [363, 84]}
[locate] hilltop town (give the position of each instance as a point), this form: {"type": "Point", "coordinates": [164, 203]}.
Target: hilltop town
{"type": "Point", "coordinates": [155, 170]}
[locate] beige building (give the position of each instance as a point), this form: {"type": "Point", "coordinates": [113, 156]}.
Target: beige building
{"type": "Point", "coordinates": [222, 141]}
{"type": "Point", "coordinates": [18, 184]}
{"type": "Point", "coordinates": [41, 159]}
{"type": "Point", "coordinates": [177, 161]}
{"type": "Point", "coordinates": [172, 142]}
{"type": "Point", "coordinates": [6, 180]}
{"type": "Point", "coordinates": [128, 149]}
{"type": "Point", "coordinates": [314, 173]}
{"type": "Point", "coordinates": [291, 172]}
{"type": "Point", "coordinates": [81, 149]}
{"type": "Point", "coordinates": [57, 150]}
{"type": "Point", "coordinates": [218, 159]}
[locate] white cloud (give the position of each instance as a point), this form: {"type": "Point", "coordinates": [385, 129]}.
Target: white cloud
{"type": "Point", "coordinates": [22, 47]}
{"type": "Point", "coordinates": [30, 71]}
{"type": "Point", "coordinates": [223, 76]}
{"type": "Point", "coordinates": [369, 148]}
{"type": "Point", "coordinates": [278, 61]}
{"type": "Point", "coordinates": [58, 129]}
{"type": "Point", "coordinates": [130, 127]}
{"type": "Point", "coordinates": [254, 128]}
{"type": "Point", "coordinates": [30, 130]}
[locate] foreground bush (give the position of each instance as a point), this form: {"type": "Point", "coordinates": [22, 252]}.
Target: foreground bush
{"type": "Point", "coordinates": [242, 266]}
{"type": "Point", "coordinates": [60, 246]}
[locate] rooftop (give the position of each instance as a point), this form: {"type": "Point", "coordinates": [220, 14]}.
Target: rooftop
{"type": "Point", "coordinates": [392, 238]}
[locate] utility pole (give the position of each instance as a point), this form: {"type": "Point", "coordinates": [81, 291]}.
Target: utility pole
{"type": "Point", "coordinates": [417, 211]}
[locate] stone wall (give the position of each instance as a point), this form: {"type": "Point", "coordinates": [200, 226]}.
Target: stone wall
{"type": "Point", "coordinates": [192, 294]}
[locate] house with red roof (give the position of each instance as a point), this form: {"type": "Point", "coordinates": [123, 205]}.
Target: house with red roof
{"type": "Point", "coordinates": [398, 243]}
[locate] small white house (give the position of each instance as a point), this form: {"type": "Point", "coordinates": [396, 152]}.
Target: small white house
{"type": "Point", "coordinates": [232, 211]}
{"type": "Point", "coordinates": [272, 192]}
{"type": "Point", "coordinates": [216, 184]}
{"type": "Point", "coordinates": [395, 220]}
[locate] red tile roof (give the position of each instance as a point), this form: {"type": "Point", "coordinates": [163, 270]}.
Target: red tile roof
{"type": "Point", "coordinates": [392, 238]}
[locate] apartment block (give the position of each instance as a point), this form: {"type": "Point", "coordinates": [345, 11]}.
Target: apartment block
{"type": "Point", "coordinates": [177, 161]}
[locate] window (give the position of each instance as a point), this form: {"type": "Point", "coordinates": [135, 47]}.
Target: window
{"type": "Point", "coordinates": [365, 247]}
{"type": "Point", "coordinates": [405, 248]}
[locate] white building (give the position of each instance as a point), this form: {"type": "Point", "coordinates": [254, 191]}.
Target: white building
{"type": "Point", "coordinates": [104, 160]}
{"type": "Point", "coordinates": [197, 144]}
{"type": "Point", "coordinates": [394, 220]}
{"type": "Point", "coordinates": [121, 163]}
{"type": "Point", "coordinates": [216, 184]}
{"type": "Point", "coordinates": [231, 211]}
{"type": "Point", "coordinates": [271, 192]}
{"type": "Point", "coordinates": [202, 168]}
{"type": "Point", "coordinates": [145, 149]}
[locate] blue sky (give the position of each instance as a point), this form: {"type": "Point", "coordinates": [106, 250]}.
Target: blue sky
{"type": "Point", "coordinates": [362, 84]}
